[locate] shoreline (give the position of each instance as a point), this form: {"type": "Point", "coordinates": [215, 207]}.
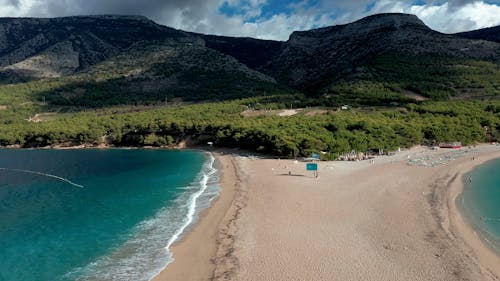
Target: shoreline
{"type": "Point", "coordinates": [225, 243]}
{"type": "Point", "coordinates": [194, 252]}
{"type": "Point", "coordinates": [487, 258]}
{"type": "Point", "coordinates": [194, 210]}
{"type": "Point", "coordinates": [235, 238]}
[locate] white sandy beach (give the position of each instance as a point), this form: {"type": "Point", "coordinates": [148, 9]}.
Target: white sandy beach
{"type": "Point", "coordinates": [357, 221]}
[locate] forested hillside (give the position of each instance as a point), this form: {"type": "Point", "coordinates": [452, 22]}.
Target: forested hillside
{"type": "Point", "coordinates": [383, 82]}
{"type": "Point", "coordinates": [331, 131]}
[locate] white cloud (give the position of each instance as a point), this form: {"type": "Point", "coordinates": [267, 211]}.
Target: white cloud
{"type": "Point", "coordinates": [204, 16]}
{"type": "Point", "coordinates": [445, 16]}
{"type": "Point", "coordinates": [449, 17]}
{"type": "Point", "coordinates": [467, 17]}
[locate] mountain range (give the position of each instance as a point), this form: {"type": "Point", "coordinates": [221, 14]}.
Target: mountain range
{"type": "Point", "coordinates": [105, 60]}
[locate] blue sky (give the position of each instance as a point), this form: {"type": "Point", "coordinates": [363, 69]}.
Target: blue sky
{"type": "Point", "coordinates": [268, 8]}
{"type": "Point", "coordinates": [267, 19]}
{"type": "Point", "coordinates": [443, 15]}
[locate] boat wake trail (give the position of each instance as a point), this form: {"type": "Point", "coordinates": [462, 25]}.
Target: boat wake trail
{"type": "Point", "coordinates": [42, 174]}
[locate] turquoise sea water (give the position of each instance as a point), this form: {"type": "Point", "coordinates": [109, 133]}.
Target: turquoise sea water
{"type": "Point", "coordinates": [132, 204]}
{"type": "Point", "coordinates": [480, 202]}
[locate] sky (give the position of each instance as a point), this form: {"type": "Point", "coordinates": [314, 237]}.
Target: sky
{"type": "Point", "coordinates": [266, 19]}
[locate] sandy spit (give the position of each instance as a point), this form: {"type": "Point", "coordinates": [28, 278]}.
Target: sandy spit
{"type": "Point", "coordinates": [385, 220]}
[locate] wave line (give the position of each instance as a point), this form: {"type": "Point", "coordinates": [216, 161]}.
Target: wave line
{"type": "Point", "coordinates": [42, 174]}
{"type": "Point", "coordinates": [207, 172]}
{"type": "Point", "coordinates": [489, 219]}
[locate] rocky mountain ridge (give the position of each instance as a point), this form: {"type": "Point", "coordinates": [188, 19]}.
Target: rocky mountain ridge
{"type": "Point", "coordinates": [489, 34]}
{"type": "Point", "coordinates": [311, 60]}
{"type": "Point", "coordinates": [43, 48]}
{"type": "Point", "coordinates": [132, 56]}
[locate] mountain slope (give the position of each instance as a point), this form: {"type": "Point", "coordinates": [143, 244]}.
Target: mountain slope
{"type": "Point", "coordinates": [254, 53]}
{"type": "Point", "coordinates": [104, 60]}
{"type": "Point", "coordinates": [314, 60]}
{"type": "Point", "coordinates": [489, 34]}
{"type": "Point", "coordinates": [38, 48]}
{"type": "Point", "coordinates": [153, 72]}
{"type": "Point", "coordinates": [47, 48]}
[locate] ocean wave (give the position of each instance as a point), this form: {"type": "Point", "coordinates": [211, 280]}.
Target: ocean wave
{"type": "Point", "coordinates": [144, 255]}
{"type": "Point", "coordinates": [208, 171]}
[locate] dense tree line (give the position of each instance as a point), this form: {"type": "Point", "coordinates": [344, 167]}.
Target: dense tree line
{"type": "Point", "coordinates": [335, 132]}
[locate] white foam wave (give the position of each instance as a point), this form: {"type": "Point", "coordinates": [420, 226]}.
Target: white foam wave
{"type": "Point", "coordinates": [145, 255]}
{"type": "Point", "coordinates": [208, 171]}
{"type": "Point", "coordinates": [192, 203]}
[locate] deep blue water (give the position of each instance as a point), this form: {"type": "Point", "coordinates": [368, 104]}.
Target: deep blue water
{"type": "Point", "coordinates": [480, 201]}
{"type": "Point", "coordinates": [115, 227]}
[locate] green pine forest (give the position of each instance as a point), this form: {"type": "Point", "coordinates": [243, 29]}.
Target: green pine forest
{"type": "Point", "coordinates": [459, 102]}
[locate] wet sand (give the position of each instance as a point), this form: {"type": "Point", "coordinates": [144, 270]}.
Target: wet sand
{"type": "Point", "coordinates": [194, 253]}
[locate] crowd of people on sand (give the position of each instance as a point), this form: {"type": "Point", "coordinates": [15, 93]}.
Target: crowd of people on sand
{"type": "Point", "coordinates": [356, 156]}
{"type": "Point", "coordinates": [438, 158]}
{"type": "Point", "coordinates": [427, 157]}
